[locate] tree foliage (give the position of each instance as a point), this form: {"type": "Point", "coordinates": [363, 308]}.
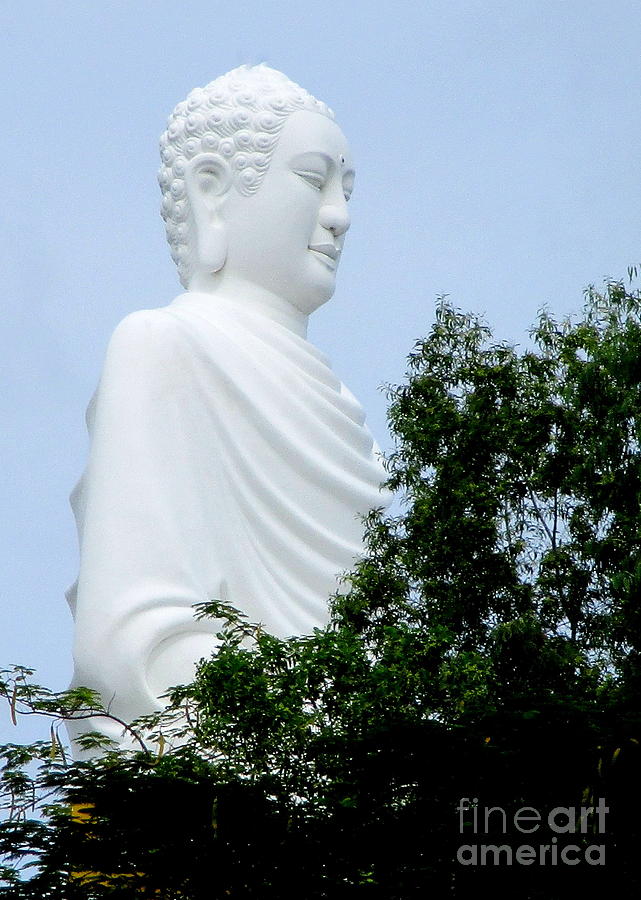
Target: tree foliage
{"type": "Point", "coordinates": [488, 646]}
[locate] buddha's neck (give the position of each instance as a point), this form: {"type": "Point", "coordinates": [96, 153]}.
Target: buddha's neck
{"type": "Point", "coordinates": [251, 298]}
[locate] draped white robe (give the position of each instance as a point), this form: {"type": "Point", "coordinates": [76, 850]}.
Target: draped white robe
{"type": "Point", "coordinates": [226, 461]}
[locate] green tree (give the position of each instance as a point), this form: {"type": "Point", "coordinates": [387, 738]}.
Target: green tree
{"type": "Point", "coordinates": [487, 646]}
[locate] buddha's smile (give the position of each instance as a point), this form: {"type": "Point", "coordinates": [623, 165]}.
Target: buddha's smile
{"type": "Point", "coordinates": [327, 252]}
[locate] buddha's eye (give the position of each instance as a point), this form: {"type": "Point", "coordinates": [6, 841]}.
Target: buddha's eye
{"type": "Point", "coordinates": [314, 179]}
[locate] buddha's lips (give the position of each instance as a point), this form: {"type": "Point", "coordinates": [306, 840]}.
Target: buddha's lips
{"type": "Point", "coordinates": [326, 249]}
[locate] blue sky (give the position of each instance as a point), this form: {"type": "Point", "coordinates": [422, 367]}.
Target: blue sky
{"type": "Point", "coordinates": [498, 149]}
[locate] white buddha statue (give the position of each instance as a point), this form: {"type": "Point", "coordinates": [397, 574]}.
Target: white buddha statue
{"type": "Point", "coordinates": [226, 460]}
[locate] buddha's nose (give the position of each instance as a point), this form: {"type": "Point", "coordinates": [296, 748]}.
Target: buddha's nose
{"type": "Point", "coordinates": [335, 218]}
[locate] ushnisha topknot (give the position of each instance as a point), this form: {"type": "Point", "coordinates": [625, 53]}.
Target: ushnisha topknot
{"type": "Point", "coordinates": [238, 117]}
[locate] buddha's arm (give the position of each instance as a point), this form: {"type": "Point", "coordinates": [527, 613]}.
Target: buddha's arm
{"type": "Point", "coordinates": [146, 552]}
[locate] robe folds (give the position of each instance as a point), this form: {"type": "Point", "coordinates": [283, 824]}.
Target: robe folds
{"type": "Point", "coordinates": [226, 461]}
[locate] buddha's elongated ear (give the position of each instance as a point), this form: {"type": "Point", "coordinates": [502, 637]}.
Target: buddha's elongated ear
{"type": "Point", "coordinates": [207, 181]}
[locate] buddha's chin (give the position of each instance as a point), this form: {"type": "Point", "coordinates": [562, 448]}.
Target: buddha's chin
{"type": "Point", "coordinates": [319, 287]}
{"type": "Point", "coordinates": [309, 300]}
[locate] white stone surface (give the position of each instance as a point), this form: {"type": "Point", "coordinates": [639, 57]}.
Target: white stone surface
{"type": "Point", "coordinates": [226, 458]}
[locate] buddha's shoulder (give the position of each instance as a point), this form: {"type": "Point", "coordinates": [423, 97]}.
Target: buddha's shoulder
{"type": "Point", "coordinates": [146, 331]}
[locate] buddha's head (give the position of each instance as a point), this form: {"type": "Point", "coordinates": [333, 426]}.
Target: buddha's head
{"type": "Point", "coordinates": [255, 178]}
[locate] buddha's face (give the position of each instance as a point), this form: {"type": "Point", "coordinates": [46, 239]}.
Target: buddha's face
{"type": "Point", "coordinates": [288, 236]}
